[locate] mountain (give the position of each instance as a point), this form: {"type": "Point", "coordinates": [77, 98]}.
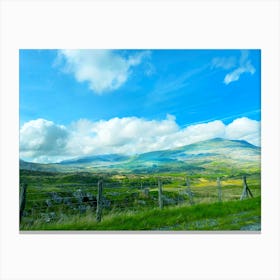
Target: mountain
{"type": "Point", "coordinates": [110, 158]}
{"type": "Point", "coordinates": [210, 156]}
{"type": "Point", "coordinates": [216, 155]}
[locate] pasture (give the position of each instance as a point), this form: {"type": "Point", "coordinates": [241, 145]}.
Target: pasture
{"type": "Point", "coordinates": [70, 201]}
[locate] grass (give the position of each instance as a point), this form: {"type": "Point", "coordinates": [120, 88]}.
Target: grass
{"type": "Point", "coordinates": [53, 202]}
{"type": "Point", "coordinates": [231, 215]}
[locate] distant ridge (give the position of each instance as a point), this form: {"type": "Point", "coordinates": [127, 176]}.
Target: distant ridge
{"type": "Point", "coordinates": [214, 155]}
{"type": "Point", "coordinates": [101, 158]}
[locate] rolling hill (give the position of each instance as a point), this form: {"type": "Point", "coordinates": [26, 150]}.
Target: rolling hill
{"type": "Point", "coordinates": [215, 155]}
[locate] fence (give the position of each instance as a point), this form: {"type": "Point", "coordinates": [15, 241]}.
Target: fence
{"type": "Point", "coordinates": [54, 201]}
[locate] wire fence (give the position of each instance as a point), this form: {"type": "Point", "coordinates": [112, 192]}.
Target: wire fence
{"type": "Point", "coordinates": [103, 197]}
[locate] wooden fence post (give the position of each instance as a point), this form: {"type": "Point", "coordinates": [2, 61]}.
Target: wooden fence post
{"type": "Point", "coordinates": [189, 192]}
{"type": "Point", "coordinates": [99, 201]}
{"type": "Point", "coordinates": [22, 199]}
{"type": "Point", "coordinates": [219, 190]}
{"type": "Point", "coordinates": [178, 197]}
{"type": "Point", "coordinates": [160, 194]}
{"type": "Point", "coordinates": [246, 191]}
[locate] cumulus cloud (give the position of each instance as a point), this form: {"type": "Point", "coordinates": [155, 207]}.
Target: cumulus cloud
{"type": "Point", "coordinates": [120, 135]}
{"type": "Point", "coordinates": [103, 70]}
{"type": "Point", "coordinates": [244, 129]}
{"type": "Point", "coordinates": [44, 141]}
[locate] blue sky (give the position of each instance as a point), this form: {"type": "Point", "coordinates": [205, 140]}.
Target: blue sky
{"type": "Point", "coordinates": [88, 96]}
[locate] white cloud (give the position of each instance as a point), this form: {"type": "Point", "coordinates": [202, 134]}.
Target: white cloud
{"type": "Point", "coordinates": [120, 135]}
{"type": "Point", "coordinates": [200, 132]}
{"type": "Point", "coordinates": [103, 70]}
{"type": "Point", "coordinates": [240, 67]}
{"type": "Point", "coordinates": [245, 66]}
{"type": "Point", "coordinates": [244, 129]}
{"type": "Point", "coordinates": [235, 75]}
{"type": "Point", "coordinates": [44, 141]}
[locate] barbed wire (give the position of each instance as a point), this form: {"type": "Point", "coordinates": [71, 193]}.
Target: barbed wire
{"type": "Point", "coordinates": [120, 196]}
{"type": "Point", "coordinates": [109, 207]}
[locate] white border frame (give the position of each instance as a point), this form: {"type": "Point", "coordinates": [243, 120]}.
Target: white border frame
{"type": "Point", "coordinates": [154, 24]}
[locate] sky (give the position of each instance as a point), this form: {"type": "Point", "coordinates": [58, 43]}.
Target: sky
{"type": "Point", "coordinates": [75, 103]}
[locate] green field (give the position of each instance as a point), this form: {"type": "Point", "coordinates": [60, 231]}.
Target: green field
{"type": "Point", "coordinates": [68, 201]}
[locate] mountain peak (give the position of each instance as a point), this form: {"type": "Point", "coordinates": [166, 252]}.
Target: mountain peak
{"type": "Point", "coordinates": [212, 155]}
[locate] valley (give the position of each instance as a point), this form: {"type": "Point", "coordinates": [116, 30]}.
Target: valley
{"type": "Point", "coordinates": [169, 190]}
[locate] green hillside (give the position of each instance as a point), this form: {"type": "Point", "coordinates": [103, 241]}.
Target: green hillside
{"type": "Point", "coordinates": [211, 156]}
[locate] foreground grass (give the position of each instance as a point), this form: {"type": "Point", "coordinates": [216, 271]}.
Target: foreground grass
{"type": "Point", "coordinates": [230, 215]}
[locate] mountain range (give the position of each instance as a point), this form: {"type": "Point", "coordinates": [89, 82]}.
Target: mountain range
{"type": "Point", "coordinates": [210, 156]}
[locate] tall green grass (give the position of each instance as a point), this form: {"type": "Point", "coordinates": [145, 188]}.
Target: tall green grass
{"type": "Point", "coordinates": [230, 215]}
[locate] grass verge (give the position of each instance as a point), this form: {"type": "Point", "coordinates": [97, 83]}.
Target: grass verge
{"type": "Point", "coordinates": [230, 215]}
